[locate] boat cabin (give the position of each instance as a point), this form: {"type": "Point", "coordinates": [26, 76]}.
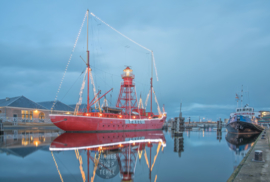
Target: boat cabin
{"type": "Point", "coordinates": [245, 109]}
{"type": "Point", "coordinates": [114, 110]}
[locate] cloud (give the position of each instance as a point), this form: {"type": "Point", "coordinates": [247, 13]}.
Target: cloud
{"type": "Point", "coordinates": [204, 52]}
{"type": "Point", "coordinates": [198, 106]}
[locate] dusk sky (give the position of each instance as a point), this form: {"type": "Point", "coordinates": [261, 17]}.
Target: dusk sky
{"type": "Point", "coordinates": [204, 51]}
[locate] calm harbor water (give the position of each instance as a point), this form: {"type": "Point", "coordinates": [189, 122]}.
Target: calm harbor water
{"type": "Point", "coordinates": [49, 155]}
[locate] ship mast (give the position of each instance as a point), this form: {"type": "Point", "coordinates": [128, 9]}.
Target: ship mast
{"type": "Point", "coordinates": [88, 67]}
{"type": "Point", "coordinates": [151, 79]}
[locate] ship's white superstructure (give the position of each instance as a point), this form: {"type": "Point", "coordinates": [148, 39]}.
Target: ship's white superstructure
{"type": "Point", "coordinates": [245, 111]}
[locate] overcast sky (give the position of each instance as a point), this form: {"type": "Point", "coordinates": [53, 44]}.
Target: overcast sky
{"type": "Point", "coordinates": [204, 51]}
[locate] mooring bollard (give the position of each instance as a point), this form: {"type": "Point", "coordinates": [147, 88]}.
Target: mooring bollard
{"type": "Point", "coordinates": [263, 136]}
{"type": "Point", "coordinates": [258, 155]}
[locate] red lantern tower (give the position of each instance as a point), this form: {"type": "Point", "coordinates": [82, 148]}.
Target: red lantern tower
{"type": "Point", "coordinates": [127, 162]}
{"type": "Point", "coordinates": [127, 99]}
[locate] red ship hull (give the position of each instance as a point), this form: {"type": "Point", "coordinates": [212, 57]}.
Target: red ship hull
{"type": "Point", "coordinates": [99, 124]}
{"type": "Point", "coordinates": [72, 141]}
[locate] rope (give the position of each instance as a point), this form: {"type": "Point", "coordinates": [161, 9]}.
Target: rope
{"type": "Point", "coordinates": [71, 86]}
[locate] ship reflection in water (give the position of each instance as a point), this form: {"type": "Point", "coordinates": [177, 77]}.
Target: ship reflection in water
{"type": "Point", "coordinates": [111, 153]}
{"type": "Point", "coordinates": [240, 144]}
{"type": "Point", "coordinates": [200, 154]}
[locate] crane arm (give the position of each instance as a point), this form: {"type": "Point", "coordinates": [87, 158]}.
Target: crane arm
{"type": "Point", "coordinates": [94, 97]}
{"type": "Point", "coordinates": [100, 97]}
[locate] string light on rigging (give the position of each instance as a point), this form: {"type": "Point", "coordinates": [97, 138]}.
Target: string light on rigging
{"type": "Point", "coordinates": [57, 168]}
{"type": "Point", "coordinates": [69, 61]}
{"type": "Point", "coordinates": [80, 94]}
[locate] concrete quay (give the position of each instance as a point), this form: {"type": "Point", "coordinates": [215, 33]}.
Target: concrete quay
{"type": "Point", "coordinates": [251, 171]}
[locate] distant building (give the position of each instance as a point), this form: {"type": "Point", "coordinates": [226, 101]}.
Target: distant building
{"type": "Point", "coordinates": [59, 107]}
{"type": "Point", "coordinates": [23, 143]}
{"type": "Point", "coordinates": [264, 113]}
{"type": "Point", "coordinates": [265, 118]}
{"type": "Point", "coordinates": [82, 108]}
{"type": "Point", "coordinates": [20, 109]}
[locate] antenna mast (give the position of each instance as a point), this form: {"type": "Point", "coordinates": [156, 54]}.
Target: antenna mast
{"type": "Point", "coordinates": [241, 95]}
{"type": "Point", "coordinates": [88, 66]}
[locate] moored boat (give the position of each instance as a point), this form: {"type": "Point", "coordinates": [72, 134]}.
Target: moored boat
{"type": "Point", "coordinates": [128, 115]}
{"type": "Point", "coordinates": [244, 120]}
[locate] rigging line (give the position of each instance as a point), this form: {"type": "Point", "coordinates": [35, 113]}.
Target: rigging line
{"type": "Point", "coordinates": [156, 178]}
{"type": "Point", "coordinates": [158, 108]}
{"type": "Point", "coordinates": [114, 74]}
{"type": "Point", "coordinates": [136, 161]}
{"type": "Point", "coordinates": [79, 157]}
{"type": "Point", "coordinates": [158, 165]}
{"type": "Point", "coordinates": [146, 159]}
{"type": "Point", "coordinates": [119, 32]}
{"type": "Point", "coordinates": [154, 61]}
{"type": "Point", "coordinates": [103, 80]}
{"type": "Point", "coordinates": [94, 89]}
{"type": "Point", "coordinates": [72, 85]}
{"type": "Point", "coordinates": [129, 101]}
{"type": "Point", "coordinates": [118, 76]}
{"type": "Point", "coordinates": [137, 103]}
{"type": "Point", "coordinates": [129, 40]}
{"type": "Point", "coordinates": [96, 161]}
{"type": "Point", "coordinates": [69, 61]}
{"type": "Point", "coordinates": [66, 167]}
{"type": "Point", "coordinates": [158, 148]}
{"type": "Point", "coordinates": [57, 168]}
{"type": "Point", "coordinates": [147, 97]}
{"type": "Point", "coordinates": [81, 93]}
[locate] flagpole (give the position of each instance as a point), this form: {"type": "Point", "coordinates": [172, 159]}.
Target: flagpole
{"type": "Point", "coordinates": [237, 99]}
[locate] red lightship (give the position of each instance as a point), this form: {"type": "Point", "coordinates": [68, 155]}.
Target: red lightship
{"type": "Point", "coordinates": [127, 116]}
